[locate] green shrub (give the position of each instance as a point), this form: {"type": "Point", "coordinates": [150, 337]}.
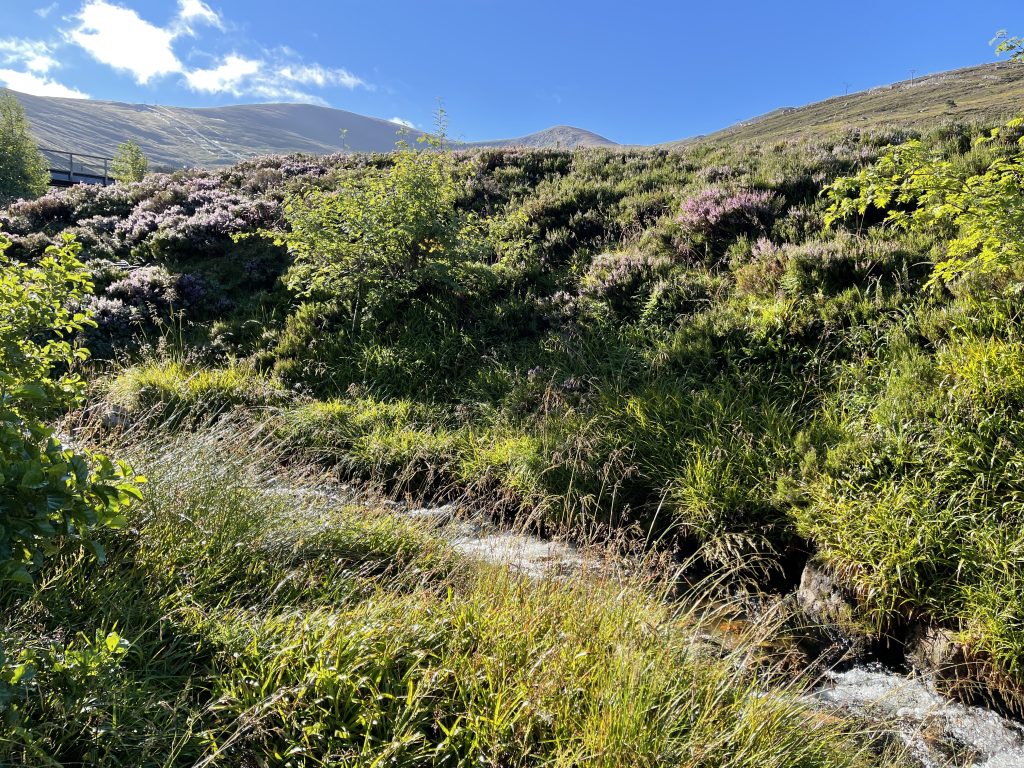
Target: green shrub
{"type": "Point", "coordinates": [50, 494]}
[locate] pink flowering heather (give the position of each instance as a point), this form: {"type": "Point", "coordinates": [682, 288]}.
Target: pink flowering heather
{"type": "Point", "coordinates": [619, 275]}
{"type": "Point", "coordinates": [718, 211]}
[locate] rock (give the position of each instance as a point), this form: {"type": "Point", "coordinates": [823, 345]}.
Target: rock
{"type": "Point", "coordinates": [822, 598]}
{"type": "Point", "coordinates": [114, 417]}
{"type": "Point", "coordinates": [934, 650]}
{"type": "Point", "coordinates": [828, 633]}
{"type": "Point", "coordinates": [956, 671]}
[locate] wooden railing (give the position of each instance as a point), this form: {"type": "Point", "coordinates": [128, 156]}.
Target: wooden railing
{"type": "Point", "coordinates": [67, 168]}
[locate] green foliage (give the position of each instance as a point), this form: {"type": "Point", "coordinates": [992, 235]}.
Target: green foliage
{"type": "Point", "coordinates": [375, 238]}
{"type": "Point", "coordinates": [130, 163]}
{"type": "Point", "coordinates": [386, 262]}
{"type": "Point", "coordinates": [49, 493]}
{"type": "Point", "coordinates": [23, 170]}
{"type": "Point", "coordinates": [922, 190]}
{"type": "Point", "coordinates": [65, 679]}
{"type": "Point", "coordinates": [261, 621]}
{"type": "Point", "coordinates": [919, 502]}
{"type": "Point", "coordinates": [1014, 46]}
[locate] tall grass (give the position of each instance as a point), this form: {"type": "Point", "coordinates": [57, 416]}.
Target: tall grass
{"type": "Point", "coordinates": [252, 616]}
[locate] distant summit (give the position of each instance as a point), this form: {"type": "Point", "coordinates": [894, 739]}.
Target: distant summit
{"type": "Point", "coordinates": [176, 137]}
{"type": "Point", "coordinates": [559, 136]}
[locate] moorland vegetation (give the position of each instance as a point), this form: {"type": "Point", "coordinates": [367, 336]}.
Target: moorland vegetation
{"type": "Point", "coordinates": [739, 356]}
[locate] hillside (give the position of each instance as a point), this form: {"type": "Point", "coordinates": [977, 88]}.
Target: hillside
{"type": "Point", "coordinates": [985, 93]}
{"type": "Point", "coordinates": [785, 446]}
{"type": "Point", "coordinates": [175, 137]}
{"type": "Point", "coordinates": [556, 137]}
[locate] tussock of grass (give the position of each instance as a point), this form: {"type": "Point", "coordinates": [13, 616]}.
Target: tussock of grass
{"type": "Point", "coordinates": [175, 389]}
{"type": "Point", "coordinates": [412, 448]}
{"type": "Point", "coordinates": [257, 623]}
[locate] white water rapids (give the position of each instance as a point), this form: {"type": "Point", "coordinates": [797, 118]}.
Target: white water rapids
{"type": "Point", "coordinates": [937, 731]}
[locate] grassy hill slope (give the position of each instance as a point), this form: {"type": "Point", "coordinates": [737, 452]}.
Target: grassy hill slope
{"type": "Point", "coordinates": [983, 93]}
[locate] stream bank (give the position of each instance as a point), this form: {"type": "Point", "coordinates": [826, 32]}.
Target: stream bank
{"type": "Point", "coordinates": [878, 683]}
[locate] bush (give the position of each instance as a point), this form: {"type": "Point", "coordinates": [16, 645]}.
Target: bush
{"type": "Point", "coordinates": [50, 494]}
{"type": "Point", "coordinates": [716, 213]}
{"type": "Point", "coordinates": [622, 279]}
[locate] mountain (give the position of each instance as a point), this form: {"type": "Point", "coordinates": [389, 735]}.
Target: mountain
{"type": "Point", "coordinates": [559, 136]}
{"type": "Point", "coordinates": [175, 137]}
{"type": "Point", "coordinates": [985, 93]}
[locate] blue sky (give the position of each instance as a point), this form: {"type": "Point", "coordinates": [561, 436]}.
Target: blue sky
{"type": "Point", "coordinates": [636, 72]}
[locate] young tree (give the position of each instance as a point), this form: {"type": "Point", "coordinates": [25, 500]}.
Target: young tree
{"type": "Point", "coordinates": [49, 493]}
{"type": "Point", "coordinates": [23, 170]}
{"type": "Point", "coordinates": [379, 235]}
{"type": "Point", "coordinates": [130, 164]}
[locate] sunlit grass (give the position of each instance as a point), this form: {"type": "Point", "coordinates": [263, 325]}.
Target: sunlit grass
{"type": "Point", "coordinates": [266, 621]}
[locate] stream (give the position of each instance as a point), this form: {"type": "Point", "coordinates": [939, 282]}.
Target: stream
{"type": "Point", "coordinates": [938, 732]}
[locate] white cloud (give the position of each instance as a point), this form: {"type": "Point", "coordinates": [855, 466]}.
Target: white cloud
{"type": "Point", "coordinates": [46, 10]}
{"type": "Point", "coordinates": [240, 76]}
{"type": "Point", "coordinates": [38, 85]}
{"type": "Point", "coordinates": [276, 91]}
{"type": "Point", "coordinates": [33, 55]}
{"type": "Point", "coordinates": [320, 76]}
{"type": "Point", "coordinates": [230, 77]}
{"type": "Point", "coordinates": [120, 38]}
{"type": "Point", "coordinates": [33, 59]}
{"type": "Point", "coordinates": [117, 36]}
{"type": "Point", "coordinates": [191, 11]}
{"type": "Point", "coordinates": [400, 121]}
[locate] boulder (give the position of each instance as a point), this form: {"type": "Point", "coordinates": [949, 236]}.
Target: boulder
{"type": "Point", "coordinates": [956, 671]}
{"type": "Point", "coordinates": [823, 598]}
{"type": "Point", "coordinates": [828, 633]}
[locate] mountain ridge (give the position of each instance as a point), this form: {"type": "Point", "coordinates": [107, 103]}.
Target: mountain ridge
{"type": "Point", "coordinates": [176, 137]}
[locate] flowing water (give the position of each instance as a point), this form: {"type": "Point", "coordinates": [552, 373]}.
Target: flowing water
{"type": "Point", "coordinates": [938, 733]}
{"type": "Point", "coordinates": [479, 538]}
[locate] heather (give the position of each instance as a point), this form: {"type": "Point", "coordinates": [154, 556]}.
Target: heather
{"type": "Point", "coordinates": [743, 358]}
